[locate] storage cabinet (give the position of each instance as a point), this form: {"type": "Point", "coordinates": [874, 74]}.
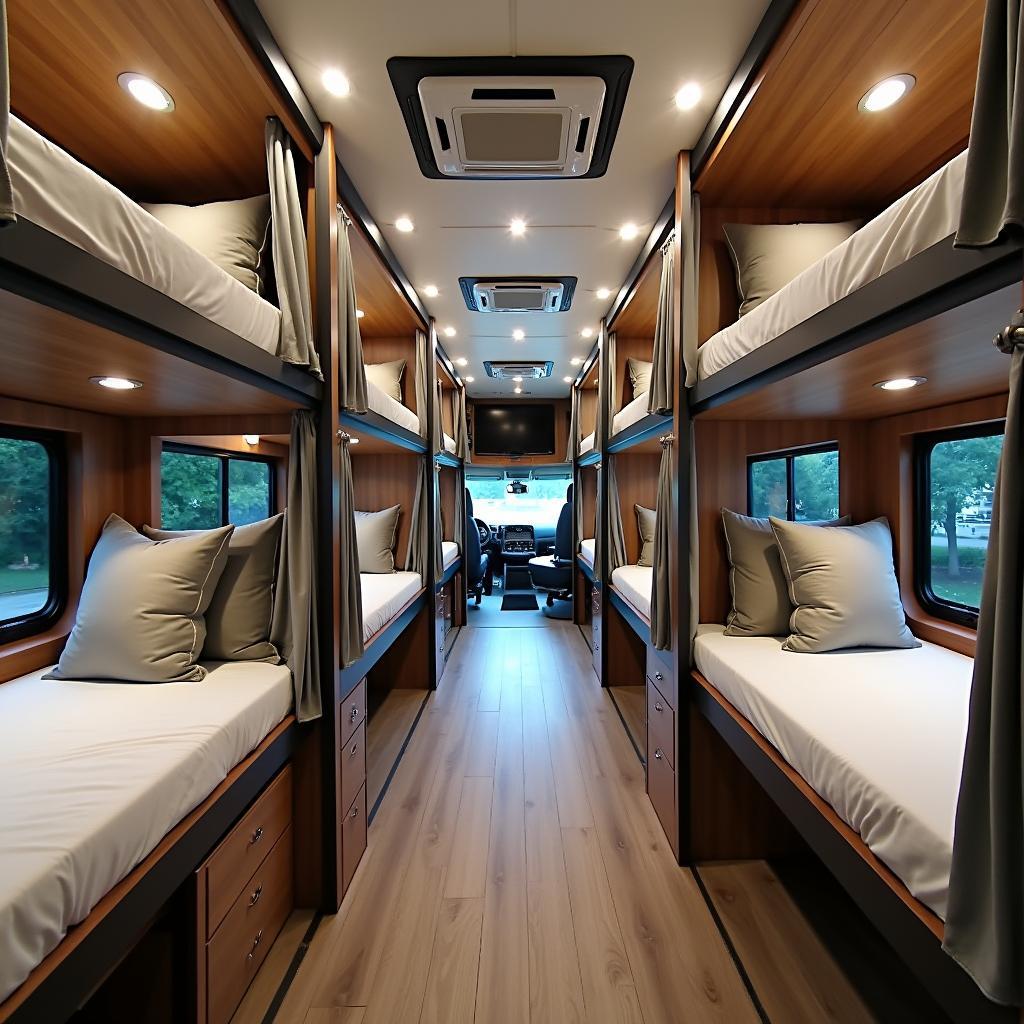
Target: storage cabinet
{"type": "Point", "coordinates": [352, 784]}
{"type": "Point", "coordinates": [662, 709]}
{"type": "Point", "coordinates": [595, 626]}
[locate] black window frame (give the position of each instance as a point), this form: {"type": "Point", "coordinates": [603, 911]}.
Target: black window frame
{"type": "Point", "coordinates": [790, 455]}
{"type": "Point", "coordinates": [55, 446]}
{"type": "Point", "coordinates": [924, 445]}
{"type": "Point", "coordinates": [224, 456]}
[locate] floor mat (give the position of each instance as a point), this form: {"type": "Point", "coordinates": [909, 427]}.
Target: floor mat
{"type": "Point", "coordinates": [519, 603]}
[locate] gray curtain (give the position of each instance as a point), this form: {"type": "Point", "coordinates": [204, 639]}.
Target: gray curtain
{"type": "Point", "coordinates": [423, 390]}
{"type": "Point", "coordinates": [992, 209]}
{"type": "Point", "coordinates": [607, 391]}
{"type": "Point", "coordinates": [7, 215]}
{"type": "Point", "coordinates": [661, 591]}
{"type": "Point", "coordinates": [985, 919]}
{"type": "Point", "coordinates": [291, 268]}
{"type": "Point", "coordinates": [689, 254]}
{"type": "Point", "coordinates": [574, 424]}
{"type": "Point", "coordinates": [438, 430]}
{"type": "Point", "coordinates": [577, 509]}
{"type": "Point", "coordinates": [350, 609]}
{"type": "Point", "coordinates": [610, 542]}
{"type": "Point", "coordinates": [350, 341]}
{"type": "Point", "coordinates": [461, 425]}
{"type": "Point", "coordinates": [294, 628]}
{"type": "Point", "coordinates": [660, 396]}
{"type": "Point", "coordinates": [421, 544]}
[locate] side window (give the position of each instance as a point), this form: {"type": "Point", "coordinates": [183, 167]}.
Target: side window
{"type": "Point", "coordinates": [956, 473]}
{"type": "Point", "coordinates": [802, 485]}
{"type": "Point", "coordinates": [202, 489]}
{"type": "Point", "coordinates": [33, 532]}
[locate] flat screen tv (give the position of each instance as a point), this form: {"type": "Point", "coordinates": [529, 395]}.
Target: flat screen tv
{"type": "Point", "coordinates": [514, 429]}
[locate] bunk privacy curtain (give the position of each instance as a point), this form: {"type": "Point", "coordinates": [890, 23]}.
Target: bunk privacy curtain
{"type": "Point", "coordinates": [611, 545]}
{"type": "Point", "coordinates": [418, 552]}
{"type": "Point", "coordinates": [661, 591]}
{"type": "Point", "coordinates": [461, 425]}
{"type": "Point", "coordinates": [350, 341]}
{"type": "Point", "coordinates": [607, 405]}
{"type": "Point", "coordinates": [659, 395]}
{"type": "Point", "coordinates": [574, 421]}
{"type": "Point", "coordinates": [350, 612]}
{"type": "Point", "coordinates": [6, 189]}
{"type": "Point", "coordinates": [291, 270]}
{"type": "Point", "coordinates": [294, 630]}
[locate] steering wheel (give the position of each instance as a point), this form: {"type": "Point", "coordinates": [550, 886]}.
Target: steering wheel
{"type": "Point", "coordinates": [485, 532]}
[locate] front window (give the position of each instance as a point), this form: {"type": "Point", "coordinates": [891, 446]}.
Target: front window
{"type": "Point", "coordinates": [201, 490]}
{"type": "Point", "coordinates": [538, 507]}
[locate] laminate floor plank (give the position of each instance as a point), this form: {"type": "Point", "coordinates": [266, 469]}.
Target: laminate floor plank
{"type": "Point", "coordinates": [451, 983]}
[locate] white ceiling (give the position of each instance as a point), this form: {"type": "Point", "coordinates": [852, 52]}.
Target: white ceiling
{"type": "Point", "coordinates": [462, 226]}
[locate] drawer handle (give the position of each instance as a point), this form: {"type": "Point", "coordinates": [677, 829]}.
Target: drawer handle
{"type": "Point", "coordinates": [354, 812]}
{"type": "Point", "coordinates": [256, 894]}
{"type": "Point", "coordinates": [354, 713]}
{"type": "Point", "coordinates": [658, 755]}
{"type": "Point", "coordinates": [658, 707]}
{"type": "Point", "coordinates": [658, 676]}
{"type": "Point", "coordinates": [255, 943]}
{"type": "Point", "coordinates": [256, 836]}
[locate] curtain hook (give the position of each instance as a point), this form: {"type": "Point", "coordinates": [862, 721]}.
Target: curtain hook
{"type": "Point", "coordinates": [666, 440]}
{"type": "Point", "coordinates": [343, 437]}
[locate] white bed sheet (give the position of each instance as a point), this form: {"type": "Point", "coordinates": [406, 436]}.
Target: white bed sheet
{"type": "Point", "coordinates": [57, 193]}
{"type": "Point", "coordinates": [383, 404]}
{"type": "Point", "coordinates": [587, 444]}
{"type": "Point", "coordinates": [587, 548]}
{"type": "Point", "coordinates": [94, 775]}
{"type": "Point", "coordinates": [630, 414]}
{"type": "Point", "coordinates": [450, 552]}
{"type": "Point", "coordinates": [634, 583]}
{"type": "Point", "coordinates": [449, 443]}
{"type": "Point", "coordinates": [385, 594]}
{"type": "Point", "coordinates": [925, 215]}
{"type": "Point", "coordinates": [878, 734]}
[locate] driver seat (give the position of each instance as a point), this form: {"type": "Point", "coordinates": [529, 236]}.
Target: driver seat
{"type": "Point", "coordinates": [477, 562]}
{"type": "Point", "coordinates": [553, 573]}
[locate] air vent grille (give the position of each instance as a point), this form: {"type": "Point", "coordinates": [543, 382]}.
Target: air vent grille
{"type": "Point", "coordinates": [528, 369]}
{"type": "Point", "coordinates": [518, 294]}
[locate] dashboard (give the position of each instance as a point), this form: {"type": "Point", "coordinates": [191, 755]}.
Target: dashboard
{"type": "Point", "coordinates": [517, 540]}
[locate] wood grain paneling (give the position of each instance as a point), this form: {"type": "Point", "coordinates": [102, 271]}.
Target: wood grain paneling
{"type": "Point", "coordinates": [562, 414]}
{"type": "Point", "coordinates": [637, 476]}
{"type": "Point", "coordinates": [386, 350]}
{"type": "Point", "coordinates": [448, 483]}
{"type": "Point", "coordinates": [65, 56]}
{"type": "Point", "coordinates": [385, 480]}
{"type": "Point", "coordinates": [800, 138]}
{"type": "Point", "coordinates": [378, 294]}
{"type": "Point", "coordinates": [638, 316]}
{"type": "Point", "coordinates": [587, 494]}
{"type": "Point", "coordinates": [630, 347]}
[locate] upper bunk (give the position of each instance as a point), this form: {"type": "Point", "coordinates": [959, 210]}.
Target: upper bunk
{"type": "Point", "coordinates": [451, 397]}
{"type": "Point", "coordinates": [588, 452]}
{"type": "Point", "coordinates": [882, 293]}
{"type": "Point", "coordinates": [88, 267]}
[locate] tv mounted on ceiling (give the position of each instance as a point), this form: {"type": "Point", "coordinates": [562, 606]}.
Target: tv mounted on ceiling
{"type": "Point", "coordinates": [519, 428]}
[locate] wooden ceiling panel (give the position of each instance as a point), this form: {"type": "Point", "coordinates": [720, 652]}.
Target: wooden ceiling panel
{"type": "Point", "coordinates": [387, 313]}
{"type": "Point", "coordinates": [65, 56]}
{"type": "Point", "coordinates": [801, 140]}
{"type": "Point", "coordinates": [638, 317]}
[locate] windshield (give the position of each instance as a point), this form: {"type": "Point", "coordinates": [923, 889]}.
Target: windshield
{"type": "Point", "coordinates": [538, 507]}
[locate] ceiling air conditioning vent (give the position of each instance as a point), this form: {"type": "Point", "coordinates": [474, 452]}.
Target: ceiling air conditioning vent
{"type": "Point", "coordinates": [528, 369]}
{"type": "Point", "coordinates": [511, 117]}
{"type": "Point", "coordinates": [517, 294]}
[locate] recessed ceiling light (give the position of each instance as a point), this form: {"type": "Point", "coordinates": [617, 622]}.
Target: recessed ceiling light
{"type": "Point", "coordinates": [587, 332]}
{"type": "Point", "coordinates": [449, 332]}
{"type": "Point", "coordinates": [575, 360]}
{"type": "Point", "coordinates": [518, 390]}
{"type": "Point", "coordinates": [404, 224]}
{"type": "Point", "coordinates": [604, 293]}
{"type": "Point", "coordinates": [360, 314]}
{"type": "Point", "coordinates": [431, 291]}
{"type": "Point", "coordinates": [517, 226]}
{"type": "Point", "coordinates": [461, 361]}
{"type": "Point", "coordinates": [517, 380]}
{"type": "Point", "coordinates": [336, 82]}
{"type": "Point", "coordinates": [628, 231]}
{"type": "Point", "coordinates": [688, 96]}
{"type": "Point", "coordinates": [469, 380]}
{"type": "Point", "coordinates": [886, 93]}
{"type": "Point", "coordinates": [568, 380]}
{"type": "Point", "coordinates": [518, 334]}
{"type": "Point", "coordinates": [117, 383]}
{"type": "Point", "coordinates": [146, 91]}
{"type": "Point", "coordinates": [901, 383]}
{"type": "Point", "coordinates": [251, 439]}
{"type": "Point", "coordinates": [353, 440]}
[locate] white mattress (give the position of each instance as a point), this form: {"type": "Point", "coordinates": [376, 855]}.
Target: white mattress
{"type": "Point", "coordinates": [385, 594]}
{"type": "Point", "coordinates": [634, 583]}
{"type": "Point", "coordinates": [878, 734]}
{"type": "Point", "coordinates": [587, 550]}
{"type": "Point", "coordinates": [630, 414]}
{"type": "Point", "coordinates": [924, 216]}
{"type": "Point", "coordinates": [383, 404]}
{"type": "Point", "coordinates": [56, 192]}
{"type": "Point", "coordinates": [587, 444]}
{"type": "Point", "coordinates": [450, 552]}
{"type": "Point", "coordinates": [449, 443]}
{"type": "Point", "coordinates": [94, 775]}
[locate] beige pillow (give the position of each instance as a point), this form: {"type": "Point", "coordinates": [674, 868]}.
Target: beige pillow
{"type": "Point", "coordinates": [760, 595]}
{"type": "Point", "coordinates": [141, 613]}
{"type": "Point", "coordinates": [843, 586]}
{"type": "Point", "coordinates": [639, 376]}
{"type": "Point", "coordinates": [234, 234]}
{"type": "Point", "coordinates": [238, 619]}
{"type": "Point", "coordinates": [387, 376]}
{"type": "Point", "coordinates": [645, 519]}
{"type": "Point", "coordinates": [768, 256]}
{"type": "Point", "coordinates": [375, 539]}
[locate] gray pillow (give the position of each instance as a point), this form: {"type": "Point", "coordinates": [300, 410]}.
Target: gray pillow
{"type": "Point", "coordinates": [639, 376]}
{"type": "Point", "coordinates": [375, 539]}
{"type": "Point", "coordinates": [387, 376]}
{"type": "Point", "coordinates": [768, 256]}
{"type": "Point", "coordinates": [760, 595]}
{"type": "Point", "coordinates": [233, 235]}
{"type": "Point", "coordinates": [843, 586]}
{"type": "Point", "coordinates": [140, 616]}
{"type": "Point", "coordinates": [238, 619]}
{"type": "Point", "coordinates": [645, 519]}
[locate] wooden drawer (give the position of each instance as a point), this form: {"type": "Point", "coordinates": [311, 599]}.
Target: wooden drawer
{"type": "Point", "coordinates": [240, 944]}
{"type": "Point", "coordinates": [353, 766]}
{"type": "Point", "coordinates": [245, 846]}
{"type": "Point", "coordinates": [661, 788]}
{"type": "Point", "coordinates": [352, 711]}
{"type": "Point", "coordinates": [595, 629]}
{"type": "Point", "coordinates": [353, 838]}
{"type": "Point", "coordinates": [661, 725]}
{"type": "Point", "coordinates": [661, 669]}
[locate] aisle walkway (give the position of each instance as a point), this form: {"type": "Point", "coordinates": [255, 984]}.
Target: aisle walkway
{"type": "Point", "coordinates": [516, 871]}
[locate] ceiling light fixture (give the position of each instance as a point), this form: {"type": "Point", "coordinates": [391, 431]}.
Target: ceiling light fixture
{"type": "Point", "coordinates": [404, 224]}
{"type": "Point", "coordinates": [901, 383]}
{"type": "Point", "coordinates": [431, 291]}
{"type": "Point", "coordinates": [568, 380]}
{"type": "Point", "coordinates": [688, 96]}
{"type": "Point", "coordinates": [449, 332]}
{"type": "Point", "coordinates": [117, 383]}
{"type": "Point", "coordinates": [517, 226]}
{"type": "Point", "coordinates": [518, 391]}
{"type": "Point", "coordinates": [517, 380]}
{"type": "Point", "coordinates": [886, 93]}
{"type": "Point", "coordinates": [575, 360]}
{"type": "Point", "coordinates": [360, 314]}
{"type": "Point", "coordinates": [587, 332]}
{"type": "Point", "coordinates": [604, 293]}
{"type": "Point", "coordinates": [336, 82]}
{"type": "Point", "coordinates": [461, 361]}
{"type": "Point", "coordinates": [145, 91]}
{"type": "Point", "coordinates": [518, 334]}
{"type": "Point", "coordinates": [628, 231]}
{"type": "Point", "coordinates": [251, 439]}
{"type": "Point", "coordinates": [353, 440]}
{"type": "Point", "coordinates": [469, 380]}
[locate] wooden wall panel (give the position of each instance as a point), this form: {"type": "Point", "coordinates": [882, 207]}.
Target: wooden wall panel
{"type": "Point", "coordinates": [587, 411]}
{"type": "Point", "coordinates": [447, 407]}
{"type": "Point", "coordinates": [638, 316]}
{"type": "Point", "coordinates": [386, 310]}
{"type": "Point", "coordinates": [588, 478]}
{"type": "Point", "coordinates": [637, 476]}
{"type": "Point", "coordinates": [562, 415]}
{"type": "Point", "coordinates": [385, 480]}
{"type": "Point", "coordinates": [385, 350]}
{"type": "Point", "coordinates": [448, 483]}
{"type": "Point", "coordinates": [627, 348]}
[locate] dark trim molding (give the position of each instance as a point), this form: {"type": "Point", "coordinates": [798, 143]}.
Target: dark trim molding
{"type": "Point", "coordinates": [586, 568]}
{"type": "Point", "coordinates": [381, 427]}
{"type": "Point", "coordinates": [636, 433]}
{"type": "Point", "coordinates": [662, 227]}
{"type": "Point", "coordinates": [451, 571]}
{"type": "Point", "coordinates": [348, 678]}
